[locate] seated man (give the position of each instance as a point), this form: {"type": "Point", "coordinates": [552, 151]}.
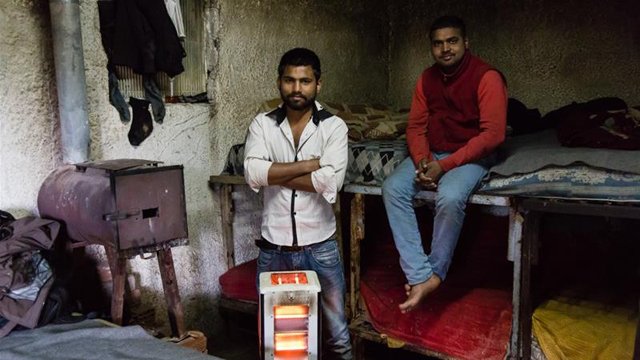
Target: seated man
{"type": "Point", "coordinates": [457, 119]}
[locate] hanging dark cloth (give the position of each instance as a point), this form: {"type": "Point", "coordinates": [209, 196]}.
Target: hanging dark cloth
{"type": "Point", "coordinates": [140, 34]}
{"type": "Point", "coordinates": [599, 123]}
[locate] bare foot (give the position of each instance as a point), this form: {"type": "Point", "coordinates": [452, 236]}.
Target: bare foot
{"type": "Point", "coordinates": [417, 292]}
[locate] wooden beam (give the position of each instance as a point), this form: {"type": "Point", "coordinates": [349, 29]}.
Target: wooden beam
{"type": "Point", "coordinates": [589, 208]}
{"type": "Point", "coordinates": [226, 179]}
{"type": "Point", "coordinates": [357, 235]}
{"type": "Point", "coordinates": [361, 330]}
{"type": "Point", "coordinates": [338, 215]}
{"type": "Point", "coordinates": [531, 229]}
{"type": "Point", "coordinates": [227, 212]}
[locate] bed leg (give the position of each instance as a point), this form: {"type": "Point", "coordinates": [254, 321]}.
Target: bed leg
{"type": "Point", "coordinates": [515, 251]}
{"type": "Point", "coordinates": [357, 235]}
{"type": "Point", "coordinates": [636, 353]}
{"type": "Point", "coordinates": [226, 214]}
{"type": "Point", "coordinates": [529, 242]}
{"type": "Point", "coordinates": [338, 214]}
{"type": "Point", "coordinates": [357, 348]}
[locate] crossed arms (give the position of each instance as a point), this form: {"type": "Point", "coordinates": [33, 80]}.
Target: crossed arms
{"type": "Point", "coordinates": [269, 158]}
{"type": "Point", "coordinates": [294, 175]}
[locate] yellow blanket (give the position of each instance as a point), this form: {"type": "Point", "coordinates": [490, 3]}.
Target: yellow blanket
{"type": "Point", "coordinates": [584, 330]}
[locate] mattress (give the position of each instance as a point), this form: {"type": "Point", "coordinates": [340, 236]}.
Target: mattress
{"type": "Point", "coordinates": [92, 339]}
{"type": "Point", "coordinates": [534, 165]}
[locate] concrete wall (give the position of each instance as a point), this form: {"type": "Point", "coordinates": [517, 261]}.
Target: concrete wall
{"type": "Point", "coordinates": [350, 37]}
{"type": "Point", "coordinates": [29, 129]}
{"type": "Point", "coordinates": [371, 52]}
{"type": "Point", "coordinates": [552, 52]}
{"type": "Point", "coordinates": [30, 148]}
{"type": "Point", "coordinates": [244, 42]}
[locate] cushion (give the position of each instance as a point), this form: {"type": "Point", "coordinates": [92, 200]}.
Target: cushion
{"type": "Point", "coordinates": [239, 282]}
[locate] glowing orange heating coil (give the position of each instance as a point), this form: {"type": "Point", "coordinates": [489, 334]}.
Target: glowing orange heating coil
{"type": "Point", "coordinates": [291, 331]}
{"type": "Point", "coordinates": [289, 278]}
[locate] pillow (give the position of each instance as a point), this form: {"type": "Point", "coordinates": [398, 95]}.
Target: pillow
{"type": "Point", "coordinates": [372, 161]}
{"type": "Point", "coordinates": [235, 161]}
{"type": "Point", "coordinates": [386, 127]}
{"type": "Point", "coordinates": [269, 105]}
{"type": "Point", "coordinates": [373, 122]}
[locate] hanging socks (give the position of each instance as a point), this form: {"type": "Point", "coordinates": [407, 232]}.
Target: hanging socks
{"type": "Point", "coordinates": [142, 125]}
{"type": "Point", "coordinates": [116, 99]}
{"type": "Point", "coordinates": [154, 96]}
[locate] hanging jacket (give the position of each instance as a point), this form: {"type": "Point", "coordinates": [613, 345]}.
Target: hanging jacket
{"type": "Point", "coordinates": [140, 34]}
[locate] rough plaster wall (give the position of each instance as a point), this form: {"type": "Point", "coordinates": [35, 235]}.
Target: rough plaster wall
{"type": "Point", "coordinates": [551, 52]}
{"type": "Point", "coordinates": [28, 118]}
{"type": "Point", "coordinates": [183, 138]}
{"type": "Point", "coordinates": [246, 39]}
{"type": "Point", "coordinates": [30, 150]}
{"type": "Point", "coordinates": [350, 38]}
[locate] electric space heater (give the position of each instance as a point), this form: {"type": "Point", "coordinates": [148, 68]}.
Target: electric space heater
{"type": "Point", "coordinates": [290, 316]}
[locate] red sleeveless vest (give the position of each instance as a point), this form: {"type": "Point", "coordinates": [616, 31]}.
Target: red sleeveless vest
{"type": "Point", "coordinates": [452, 101]}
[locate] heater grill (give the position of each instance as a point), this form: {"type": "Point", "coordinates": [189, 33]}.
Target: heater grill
{"type": "Point", "coordinates": [290, 313]}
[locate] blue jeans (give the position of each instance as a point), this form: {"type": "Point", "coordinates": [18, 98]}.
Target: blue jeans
{"type": "Point", "coordinates": [324, 259]}
{"type": "Point", "coordinates": [454, 189]}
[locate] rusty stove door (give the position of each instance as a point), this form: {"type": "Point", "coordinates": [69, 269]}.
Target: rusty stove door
{"type": "Point", "coordinates": [151, 206]}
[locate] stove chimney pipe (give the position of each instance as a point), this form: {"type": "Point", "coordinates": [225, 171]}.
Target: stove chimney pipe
{"type": "Point", "coordinates": [70, 79]}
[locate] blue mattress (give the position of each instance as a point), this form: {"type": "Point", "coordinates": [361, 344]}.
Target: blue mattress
{"type": "Point", "coordinates": [534, 166]}
{"type": "Point", "coordinates": [569, 182]}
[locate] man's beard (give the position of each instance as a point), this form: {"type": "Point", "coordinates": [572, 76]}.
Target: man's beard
{"type": "Point", "coordinates": [298, 106]}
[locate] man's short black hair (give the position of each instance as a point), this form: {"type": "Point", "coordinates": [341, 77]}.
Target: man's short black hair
{"type": "Point", "coordinates": [448, 21]}
{"type": "Point", "coordinates": [300, 57]}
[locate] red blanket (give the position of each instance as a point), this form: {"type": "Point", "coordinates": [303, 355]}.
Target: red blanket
{"type": "Point", "coordinates": [469, 316]}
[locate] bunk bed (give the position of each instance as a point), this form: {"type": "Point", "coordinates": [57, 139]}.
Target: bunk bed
{"type": "Point", "coordinates": [536, 177]}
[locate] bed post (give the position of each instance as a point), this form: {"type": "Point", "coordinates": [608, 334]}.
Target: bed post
{"type": "Point", "coordinates": [357, 235]}
{"type": "Point", "coordinates": [338, 215]}
{"type": "Point", "coordinates": [514, 254]}
{"type": "Point", "coordinates": [636, 353]}
{"type": "Point", "coordinates": [226, 215]}
{"type": "Point", "coordinates": [529, 242]}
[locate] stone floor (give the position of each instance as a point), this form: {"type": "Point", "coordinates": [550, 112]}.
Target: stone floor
{"type": "Point", "coordinates": [240, 342]}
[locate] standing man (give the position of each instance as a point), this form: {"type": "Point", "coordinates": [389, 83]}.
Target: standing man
{"type": "Point", "coordinates": [457, 119]}
{"type": "Point", "coordinates": [298, 154]}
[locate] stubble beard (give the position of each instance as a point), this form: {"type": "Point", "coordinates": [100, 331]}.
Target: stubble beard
{"type": "Point", "coordinates": [298, 106]}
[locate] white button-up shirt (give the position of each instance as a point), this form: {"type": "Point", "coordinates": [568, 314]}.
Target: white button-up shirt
{"type": "Point", "coordinates": [291, 216]}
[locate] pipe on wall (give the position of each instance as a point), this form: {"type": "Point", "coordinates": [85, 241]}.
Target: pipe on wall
{"type": "Point", "coordinates": [70, 79]}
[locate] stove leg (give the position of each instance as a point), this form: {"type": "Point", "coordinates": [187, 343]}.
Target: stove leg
{"type": "Point", "coordinates": [171, 293]}
{"type": "Point", "coordinates": [118, 266]}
